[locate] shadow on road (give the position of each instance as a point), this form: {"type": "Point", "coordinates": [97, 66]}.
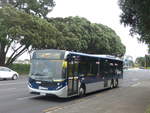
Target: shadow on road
{"type": "Point", "coordinates": [52, 98]}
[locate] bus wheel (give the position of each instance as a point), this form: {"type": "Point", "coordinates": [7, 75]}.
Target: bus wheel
{"type": "Point", "coordinates": [116, 83]}
{"type": "Point", "coordinates": [112, 84]}
{"type": "Point", "coordinates": [81, 91]}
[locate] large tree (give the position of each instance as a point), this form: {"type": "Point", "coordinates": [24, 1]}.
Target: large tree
{"type": "Point", "coordinates": [79, 34]}
{"type": "Point", "coordinates": [20, 31]}
{"type": "Point", "coordinates": [36, 7]}
{"type": "Point", "coordinates": [136, 14]}
{"type": "Point", "coordinates": [143, 61]}
{"type": "Point", "coordinates": [140, 61]}
{"type": "Point", "coordinates": [16, 26]}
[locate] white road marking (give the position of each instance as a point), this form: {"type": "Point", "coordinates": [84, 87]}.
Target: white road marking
{"type": "Point", "coordinates": [137, 84]}
{"type": "Point", "coordinates": [28, 97]}
{"type": "Point", "coordinates": [12, 83]}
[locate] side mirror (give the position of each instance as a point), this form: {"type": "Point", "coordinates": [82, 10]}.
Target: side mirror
{"type": "Point", "coordinates": [69, 58]}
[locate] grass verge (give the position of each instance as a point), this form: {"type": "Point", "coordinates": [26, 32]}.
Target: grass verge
{"type": "Point", "coordinates": [148, 110]}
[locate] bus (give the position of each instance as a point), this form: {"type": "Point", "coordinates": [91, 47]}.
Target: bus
{"type": "Point", "coordinates": [65, 73]}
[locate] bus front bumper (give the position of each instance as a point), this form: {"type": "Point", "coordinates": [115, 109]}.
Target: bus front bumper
{"type": "Point", "coordinates": [62, 93]}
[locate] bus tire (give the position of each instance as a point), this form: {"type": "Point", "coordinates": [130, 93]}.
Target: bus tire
{"type": "Point", "coordinates": [112, 84]}
{"type": "Point", "coordinates": [81, 91]}
{"type": "Point", "coordinates": [116, 83]}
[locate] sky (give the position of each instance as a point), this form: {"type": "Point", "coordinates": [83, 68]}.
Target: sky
{"type": "Point", "coordinates": [106, 12]}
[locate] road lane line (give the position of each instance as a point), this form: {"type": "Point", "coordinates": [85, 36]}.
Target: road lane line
{"type": "Point", "coordinates": [137, 84]}
{"type": "Point", "coordinates": [27, 97]}
{"type": "Point", "coordinates": [51, 109]}
{"type": "Point", "coordinates": [12, 84]}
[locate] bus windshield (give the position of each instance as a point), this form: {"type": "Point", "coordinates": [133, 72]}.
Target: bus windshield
{"type": "Point", "coordinates": [46, 70]}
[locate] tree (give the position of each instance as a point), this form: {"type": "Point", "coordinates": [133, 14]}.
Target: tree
{"type": "Point", "coordinates": [136, 14]}
{"type": "Point", "coordinates": [140, 61]}
{"type": "Point", "coordinates": [20, 31]}
{"type": "Point", "coordinates": [81, 35]}
{"type": "Point", "coordinates": [36, 7]}
{"type": "Point", "coordinates": [143, 61]}
{"type": "Point", "coordinates": [147, 60]}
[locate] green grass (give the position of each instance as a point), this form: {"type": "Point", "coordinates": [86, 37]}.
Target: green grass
{"type": "Point", "coordinates": [147, 68]}
{"type": "Point", "coordinates": [148, 110]}
{"type": "Point", "coordinates": [22, 69]}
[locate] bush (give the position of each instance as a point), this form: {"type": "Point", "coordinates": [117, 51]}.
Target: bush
{"type": "Point", "coordinates": [21, 68]}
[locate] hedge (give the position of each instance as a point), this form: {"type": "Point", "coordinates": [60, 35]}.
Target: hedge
{"type": "Point", "coordinates": [22, 69]}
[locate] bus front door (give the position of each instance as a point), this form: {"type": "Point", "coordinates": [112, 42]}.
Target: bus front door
{"type": "Point", "coordinates": [72, 78]}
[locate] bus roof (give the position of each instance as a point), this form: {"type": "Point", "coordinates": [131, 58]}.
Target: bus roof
{"type": "Point", "coordinates": [82, 54]}
{"type": "Point", "coordinates": [96, 55]}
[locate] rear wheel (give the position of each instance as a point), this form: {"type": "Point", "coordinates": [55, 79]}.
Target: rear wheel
{"type": "Point", "coordinates": [15, 77]}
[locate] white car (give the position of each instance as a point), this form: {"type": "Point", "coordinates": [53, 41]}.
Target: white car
{"type": "Point", "coordinates": [6, 73]}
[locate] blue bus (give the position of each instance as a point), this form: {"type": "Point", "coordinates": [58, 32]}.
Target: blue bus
{"type": "Point", "coordinates": [66, 73]}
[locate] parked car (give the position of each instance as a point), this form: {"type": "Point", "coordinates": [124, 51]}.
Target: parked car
{"type": "Point", "coordinates": [142, 68]}
{"type": "Point", "coordinates": [6, 73]}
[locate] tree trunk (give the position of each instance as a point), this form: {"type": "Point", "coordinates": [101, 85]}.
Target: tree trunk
{"type": "Point", "coordinates": [2, 55]}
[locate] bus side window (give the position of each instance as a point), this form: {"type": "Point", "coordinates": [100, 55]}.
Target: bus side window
{"type": "Point", "coordinates": [106, 67]}
{"type": "Point", "coordinates": [73, 68]}
{"type": "Point", "coordinates": [76, 66]}
{"type": "Point", "coordinates": [111, 68]}
{"type": "Point", "coordinates": [101, 67]}
{"type": "Point", "coordinates": [92, 67]}
{"type": "Point", "coordinates": [82, 68]}
{"type": "Point", "coordinates": [70, 67]}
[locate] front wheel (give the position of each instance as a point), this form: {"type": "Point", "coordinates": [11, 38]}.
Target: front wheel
{"type": "Point", "coordinates": [116, 83]}
{"type": "Point", "coordinates": [81, 91]}
{"type": "Point", "coordinates": [112, 84]}
{"type": "Point", "coordinates": [14, 77]}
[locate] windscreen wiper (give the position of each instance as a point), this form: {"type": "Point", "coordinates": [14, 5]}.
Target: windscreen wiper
{"type": "Point", "coordinates": [38, 74]}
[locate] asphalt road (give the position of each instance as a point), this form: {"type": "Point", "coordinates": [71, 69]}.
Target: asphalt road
{"type": "Point", "coordinates": [133, 96]}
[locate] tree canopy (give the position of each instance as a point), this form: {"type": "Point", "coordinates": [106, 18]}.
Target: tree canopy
{"type": "Point", "coordinates": [140, 61]}
{"type": "Point", "coordinates": [136, 14]}
{"type": "Point", "coordinates": [36, 7]}
{"type": "Point", "coordinates": [20, 31]}
{"type": "Point", "coordinates": [143, 61]}
{"type": "Point", "coordinates": [79, 34]}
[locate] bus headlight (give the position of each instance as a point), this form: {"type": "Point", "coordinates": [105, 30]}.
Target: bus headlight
{"type": "Point", "coordinates": [58, 84]}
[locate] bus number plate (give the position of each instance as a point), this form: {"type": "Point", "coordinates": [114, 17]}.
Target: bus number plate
{"type": "Point", "coordinates": [42, 94]}
{"type": "Point", "coordinates": [43, 88]}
